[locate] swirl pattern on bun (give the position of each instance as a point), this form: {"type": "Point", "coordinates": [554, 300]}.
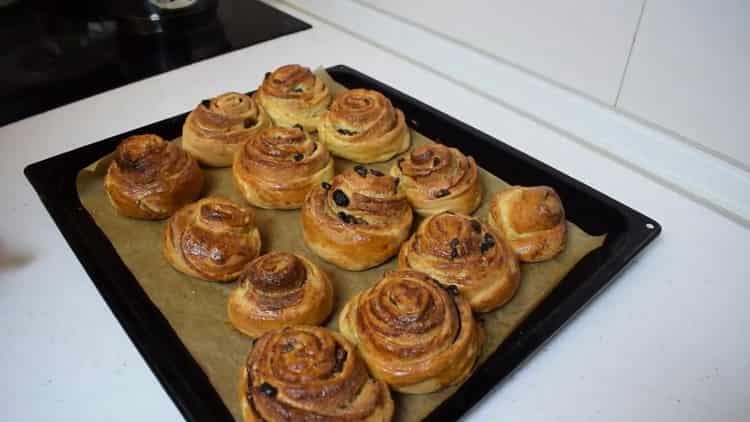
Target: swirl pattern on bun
{"type": "Point", "coordinates": [279, 289]}
{"type": "Point", "coordinates": [305, 373]}
{"type": "Point", "coordinates": [151, 178]}
{"type": "Point", "coordinates": [363, 126]}
{"type": "Point", "coordinates": [413, 334]}
{"type": "Point", "coordinates": [277, 167]}
{"type": "Point", "coordinates": [437, 178]}
{"type": "Point", "coordinates": [293, 95]}
{"type": "Point", "coordinates": [216, 128]}
{"type": "Point", "coordinates": [212, 239]}
{"type": "Point", "coordinates": [457, 250]}
{"type": "Point", "coordinates": [358, 220]}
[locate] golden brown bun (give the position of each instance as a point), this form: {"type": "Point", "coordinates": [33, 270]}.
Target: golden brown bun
{"type": "Point", "coordinates": [436, 178]}
{"type": "Point", "coordinates": [413, 334]}
{"type": "Point", "coordinates": [358, 220]}
{"type": "Point", "coordinates": [216, 129]}
{"type": "Point", "coordinates": [280, 289]}
{"type": "Point", "coordinates": [532, 219]}
{"type": "Point", "coordinates": [292, 95]}
{"type": "Point", "coordinates": [308, 373]}
{"type": "Point", "coordinates": [151, 178]}
{"type": "Point", "coordinates": [363, 126]}
{"type": "Point", "coordinates": [277, 167]}
{"type": "Point", "coordinates": [458, 250]}
{"type": "Point", "coordinates": [212, 239]}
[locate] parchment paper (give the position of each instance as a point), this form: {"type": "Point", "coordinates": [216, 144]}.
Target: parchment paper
{"type": "Point", "coordinates": [197, 309]}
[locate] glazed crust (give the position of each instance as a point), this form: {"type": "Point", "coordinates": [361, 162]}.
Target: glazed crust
{"type": "Point", "coordinates": [280, 289]}
{"type": "Point", "coordinates": [212, 239]}
{"type": "Point", "coordinates": [216, 128]}
{"type": "Point", "coordinates": [458, 250]}
{"type": "Point", "coordinates": [358, 220]}
{"type": "Point", "coordinates": [532, 219]}
{"type": "Point", "coordinates": [413, 334]}
{"type": "Point", "coordinates": [292, 95]}
{"type": "Point", "coordinates": [277, 167]}
{"type": "Point", "coordinates": [436, 178]}
{"type": "Point", "coordinates": [363, 126]}
{"type": "Point", "coordinates": [308, 373]}
{"type": "Point", "coordinates": [151, 178]}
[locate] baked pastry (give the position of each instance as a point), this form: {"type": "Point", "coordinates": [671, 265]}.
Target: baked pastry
{"type": "Point", "coordinates": [292, 95]}
{"type": "Point", "coordinates": [363, 126]}
{"type": "Point", "coordinates": [151, 178]}
{"type": "Point", "coordinates": [216, 129]}
{"type": "Point", "coordinates": [457, 250]}
{"type": "Point", "coordinates": [358, 220]}
{"type": "Point", "coordinates": [277, 167]}
{"type": "Point", "coordinates": [306, 373]}
{"type": "Point", "coordinates": [413, 334]}
{"type": "Point", "coordinates": [436, 178]}
{"type": "Point", "coordinates": [279, 289]}
{"type": "Point", "coordinates": [212, 239]}
{"type": "Point", "coordinates": [532, 219]}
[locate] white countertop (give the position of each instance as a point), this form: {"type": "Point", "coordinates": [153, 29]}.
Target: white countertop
{"type": "Point", "coordinates": [668, 340]}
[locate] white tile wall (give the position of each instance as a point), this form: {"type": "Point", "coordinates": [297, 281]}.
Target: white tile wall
{"type": "Point", "coordinates": [689, 72]}
{"type": "Point", "coordinates": [582, 44]}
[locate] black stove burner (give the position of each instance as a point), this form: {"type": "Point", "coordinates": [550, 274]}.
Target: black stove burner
{"type": "Point", "coordinates": [56, 52]}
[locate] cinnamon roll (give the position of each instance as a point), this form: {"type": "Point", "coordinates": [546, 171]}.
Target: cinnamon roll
{"type": "Point", "coordinates": [212, 239]}
{"type": "Point", "coordinates": [305, 373]}
{"type": "Point", "coordinates": [277, 167]}
{"type": "Point", "coordinates": [216, 129]}
{"type": "Point", "coordinates": [436, 178]}
{"type": "Point", "coordinates": [363, 126]}
{"type": "Point", "coordinates": [151, 178]}
{"type": "Point", "coordinates": [413, 334]}
{"type": "Point", "coordinates": [279, 289]}
{"type": "Point", "coordinates": [292, 95]}
{"type": "Point", "coordinates": [459, 251]}
{"type": "Point", "coordinates": [358, 220]}
{"type": "Point", "coordinates": [532, 219]}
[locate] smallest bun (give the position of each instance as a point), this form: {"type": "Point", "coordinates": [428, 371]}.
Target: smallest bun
{"type": "Point", "coordinates": [277, 290]}
{"type": "Point", "coordinates": [532, 220]}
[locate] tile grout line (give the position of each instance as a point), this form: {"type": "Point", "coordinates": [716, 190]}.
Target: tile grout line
{"type": "Point", "coordinates": [630, 53]}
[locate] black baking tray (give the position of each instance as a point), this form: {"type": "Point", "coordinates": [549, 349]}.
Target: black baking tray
{"type": "Point", "coordinates": [628, 232]}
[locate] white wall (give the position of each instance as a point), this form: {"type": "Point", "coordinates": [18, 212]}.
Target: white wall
{"type": "Point", "coordinates": [582, 44]}
{"type": "Point", "coordinates": [687, 72]}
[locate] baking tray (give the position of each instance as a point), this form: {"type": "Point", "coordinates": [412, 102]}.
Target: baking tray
{"type": "Point", "coordinates": [628, 232]}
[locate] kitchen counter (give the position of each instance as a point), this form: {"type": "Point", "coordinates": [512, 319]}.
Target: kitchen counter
{"type": "Point", "coordinates": [668, 340]}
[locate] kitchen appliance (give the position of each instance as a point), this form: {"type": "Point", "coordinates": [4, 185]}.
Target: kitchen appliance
{"type": "Point", "coordinates": [56, 52]}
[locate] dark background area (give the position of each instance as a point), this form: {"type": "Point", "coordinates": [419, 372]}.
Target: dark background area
{"type": "Point", "coordinates": [56, 52]}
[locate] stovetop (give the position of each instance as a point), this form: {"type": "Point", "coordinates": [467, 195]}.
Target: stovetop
{"type": "Point", "coordinates": [55, 52]}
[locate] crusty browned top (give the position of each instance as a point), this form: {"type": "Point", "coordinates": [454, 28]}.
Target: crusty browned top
{"type": "Point", "coordinates": [310, 373]}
